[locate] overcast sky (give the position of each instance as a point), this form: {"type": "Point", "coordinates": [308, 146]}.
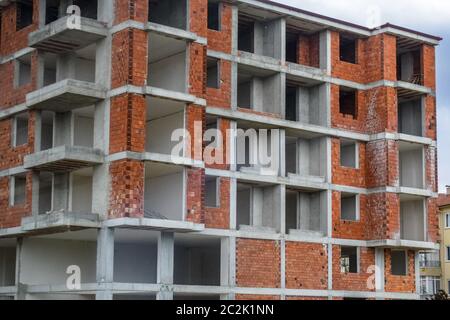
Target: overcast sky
{"type": "Point", "coordinates": [429, 16]}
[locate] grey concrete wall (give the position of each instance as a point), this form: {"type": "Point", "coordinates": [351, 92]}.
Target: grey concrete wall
{"type": "Point", "coordinates": [169, 73]}
{"type": "Point", "coordinates": [312, 157]}
{"type": "Point", "coordinates": [135, 262]}
{"type": "Point", "coordinates": [83, 131]}
{"type": "Point", "coordinates": [159, 133]}
{"type": "Point", "coordinates": [412, 220]}
{"type": "Point", "coordinates": [81, 193]}
{"type": "Point", "coordinates": [7, 266]}
{"type": "Point", "coordinates": [169, 12]}
{"type": "Point", "coordinates": [411, 168]}
{"type": "Point", "coordinates": [410, 117]}
{"type": "Point", "coordinates": [164, 195]}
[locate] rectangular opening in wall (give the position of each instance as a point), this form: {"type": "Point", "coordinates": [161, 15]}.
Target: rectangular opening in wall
{"type": "Point", "coordinates": [399, 263]}
{"type": "Point", "coordinates": [348, 48]}
{"type": "Point", "coordinates": [244, 204]}
{"type": "Point", "coordinates": [305, 211]}
{"type": "Point", "coordinates": [18, 190]}
{"type": "Point", "coordinates": [411, 163]}
{"type": "Point", "coordinates": [410, 117]}
{"type": "Point", "coordinates": [306, 157]}
{"type": "Point", "coordinates": [23, 71]}
{"type": "Point", "coordinates": [20, 130]}
{"type": "Point", "coordinates": [49, 69]}
{"type": "Point", "coordinates": [412, 218]}
{"type": "Point", "coordinates": [172, 13]}
{"type": "Point", "coordinates": [306, 101]}
{"type": "Point", "coordinates": [349, 154]}
{"type": "Point", "coordinates": [139, 247]}
{"type": "Point", "coordinates": [83, 127]}
{"type": "Point", "coordinates": [89, 8]}
{"type": "Point", "coordinates": [47, 118]}
{"type": "Point", "coordinates": [213, 73]}
{"type": "Point", "coordinates": [349, 260]}
{"type": "Point", "coordinates": [51, 11]}
{"type": "Point", "coordinates": [409, 64]}
{"type": "Point", "coordinates": [213, 15]}
{"type": "Point", "coordinates": [245, 34]}
{"type": "Point", "coordinates": [85, 62]}
{"type": "Point", "coordinates": [163, 118]}
{"type": "Point", "coordinates": [197, 260]}
{"type": "Point", "coordinates": [45, 192]}
{"type": "Point", "coordinates": [212, 187]}
{"type": "Point", "coordinates": [7, 263]}
{"type": "Point", "coordinates": [259, 90]}
{"type": "Point", "coordinates": [167, 63]}
{"type": "Point", "coordinates": [349, 207]}
{"type": "Point", "coordinates": [164, 192]}
{"type": "Point", "coordinates": [24, 14]}
{"type": "Point", "coordinates": [348, 102]}
{"type": "Point", "coordinates": [291, 47]}
{"type": "Point", "coordinates": [82, 190]}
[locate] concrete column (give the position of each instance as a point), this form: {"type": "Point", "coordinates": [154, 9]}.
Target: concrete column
{"type": "Point", "coordinates": [105, 263]}
{"type": "Point", "coordinates": [282, 150]}
{"type": "Point", "coordinates": [37, 130]}
{"type": "Point", "coordinates": [42, 12]}
{"type": "Point", "coordinates": [35, 194]}
{"type": "Point", "coordinates": [234, 31]}
{"type": "Point", "coordinates": [233, 199]}
{"type": "Point", "coordinates": [283, 209]}
{"type": "Point", "coordinates": [325, 51]}
{"type": "Point", "coordinates": [258, 38]}
{"type": "Point", "coordinates": [165, 265]}
{"type": "Point", "coordinates": [66, 66]}
{"type": "Point", "coordinates": [379, 270]}
{"type": "Point", "coordinates": [21, 289]}
{"type": "Point", "coordinates": [63, 129]}
{"type": "Point", "coordinates": [257, 94]}
{"type": "Point", "coordinates": [257, 207]}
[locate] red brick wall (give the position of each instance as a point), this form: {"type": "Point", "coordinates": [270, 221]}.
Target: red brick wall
{"type": "Point", "coordinates": [221, 40]}
{"type": "Point", "coordinates": [197, 69]}
{"type": "Point", "coordinates": [127, 123]}
{"type": "Point", "coordinates": [430, 117]}
{"type": "Point", "coordinates": [12, 96]}
{"type": "Point", "coordinates": [11, 217]}
{"type": "Point", "coordinates": [221, 97]}
{"type": "Point", "coordinates": [433, 220]}
{"type": "Point", "coordinates": [11, 157]}
{"type": "Point", "coordinates": [219, 218]}
{"type": "Point", "coordinates": [383, 211]}
{"type": "Point", "coordinates": [345, 70]}
{"type": "Point", "coordinates": [308, 48]}
{"type": "Point", "coordinates": [400, 283]}
{"type": "Point", "coordinates": [127, 189]}
{"type": "Point", "coordinates": [198, 17]}
{"type": "Point", "coordinates": [255, 297]}
{"type": "Point", "coordinates": [356, 230]}
{"type": "Point", "coordinates": [431, 168]}
{"type": "Point", "coordinates": [348, 176]}
{"type": "Point", "coordinates": [300, 272]}
{"type": "Point", "coordinates": [129, 58]}
{"type": "Point", "coordinates": [306, 298]}
{"type": "Point", "coordinates": [429, 66]}
{"type": "Point", "coordinates": [257, 263]}
{"type": "Point", "coordinates": [12, 40]}
{"type": "Point", "coordinates": [195, 195]}
{"type": "Point", "coordinates": [353, 281]}
{"type": "Point", "coordinates": [348, 122]}
{"type": "Point", "coordinates": [382, 164]}
{"type": "Point", "coordinates": [131, 10]}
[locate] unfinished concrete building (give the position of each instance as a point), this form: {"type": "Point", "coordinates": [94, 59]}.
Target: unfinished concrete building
{"type": "Point", "coordinates": [91, 93]}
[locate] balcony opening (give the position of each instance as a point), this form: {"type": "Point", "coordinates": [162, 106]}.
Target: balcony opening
{"type": "Point", "coordinates": [410, 117]}
{"type": "Point", "coordinates": [167, 63]}
{"type": "Point", "coordinates": [302, 46]}
{"type": "Point", "coordinates": [22, 75]}
{"type": "Point", "coordinates": [20, 130]}
{"type": "Point", "coordinates": [306, 157]}
{"type": "Point", "coordinates": [172, 13]}
{"type": "Point", "coordinates": [411, 162]}
{"type": "Point", "coordinates": [349, 262]}
{"type": "Point", "coordinates": [47, 119]}
{"type": "Point", "coordinates": [139, 246]}
{"type": "Point", "coordinates": [349, 154]}
{"type": "Point", "coordinates": [45, 192]}
{"type": "Point", "coordinates": [399, 263]}
{"type": "Point", "coordinates": [305, 103]}
{"type": "Point", "coordinates": [83, 130]}
{"type": "Point", "coordinates": [24, 14]}
{"type": "Point", "coordinates": [348, 51]}
{"type": "Point", "coordinates": [89, 8]}
{"type": "Point", "coordinates": [164, 191]}
{"type": "Point", "coordinates": [212, 192]}
{"type": "Point", "coordinates": [197, 260]}
{"type": "Point", "coordinates": [430, 285]}
{"type": "Point", "coordinates": [259, 36]}
{"type": "Point", "coordinates": [82, 191]}
{"type": "Point", "coordinates": [292, 47]}
{"type": "Point", "coordinates": [409, 66]}
{"type": "Point", "coordinates": [213, 73]}
{"type": "Point", "coordinates": [52, 11]}
{"type": "Point", "coordinates": [259, 90]}
{"type": "Point", "coordinates": [163, 118]}
{"type": "Point", "coordinates": [348, 102]}
{"type": "Point", "coordinates": [18, 192]}
{"type": "Point", "coordinates": [305, 211]}
{"type": "Point", "coordinates": [412, 219]}
{"type": "Point", "coordinates": [257, 207]}
{"type": "Point", "coordinates": [349, 207]}
{"type": "Point", "coordinates": [429, 259]}
{"type": "Point", "coordinates": [49, 60]}
{"type": "Point", "coordinates": [84, 64]}
{"type": "Point", "coordinates": [7, 264]}
{"type": "Point", "coordinates": [214, 15]}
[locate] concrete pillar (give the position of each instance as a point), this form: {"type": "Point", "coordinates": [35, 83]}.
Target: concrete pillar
{"type": "Point", "coordinates": [257, 94]}
{"type": "Point", "coordinates": [42, 12]}
{"type": "Point", "coordinates": [35, 194]}
{"type": "Point", "coordinates": [325, 51]}
{"type": "Point", "coordinates": [66, 66]}
{"type": "Point", "coordinates": [233, 199]}
{"type": "Point", "coordinates": [282, 209]}
{"type": "Point", "coordinates": [379, 269]}
{"type": "Point", "coordinates": [257, 207]}
{"type": "Point", "coordinates": [63, 129]}
{"type": "Point", "coordinates": [21, 289]}
{"type": "Point", "coordinates": [234, 31]}
{"type": "Point", "coordinates": [105, 263]}
{"type": "Point", "coordinates": [165, 265]}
